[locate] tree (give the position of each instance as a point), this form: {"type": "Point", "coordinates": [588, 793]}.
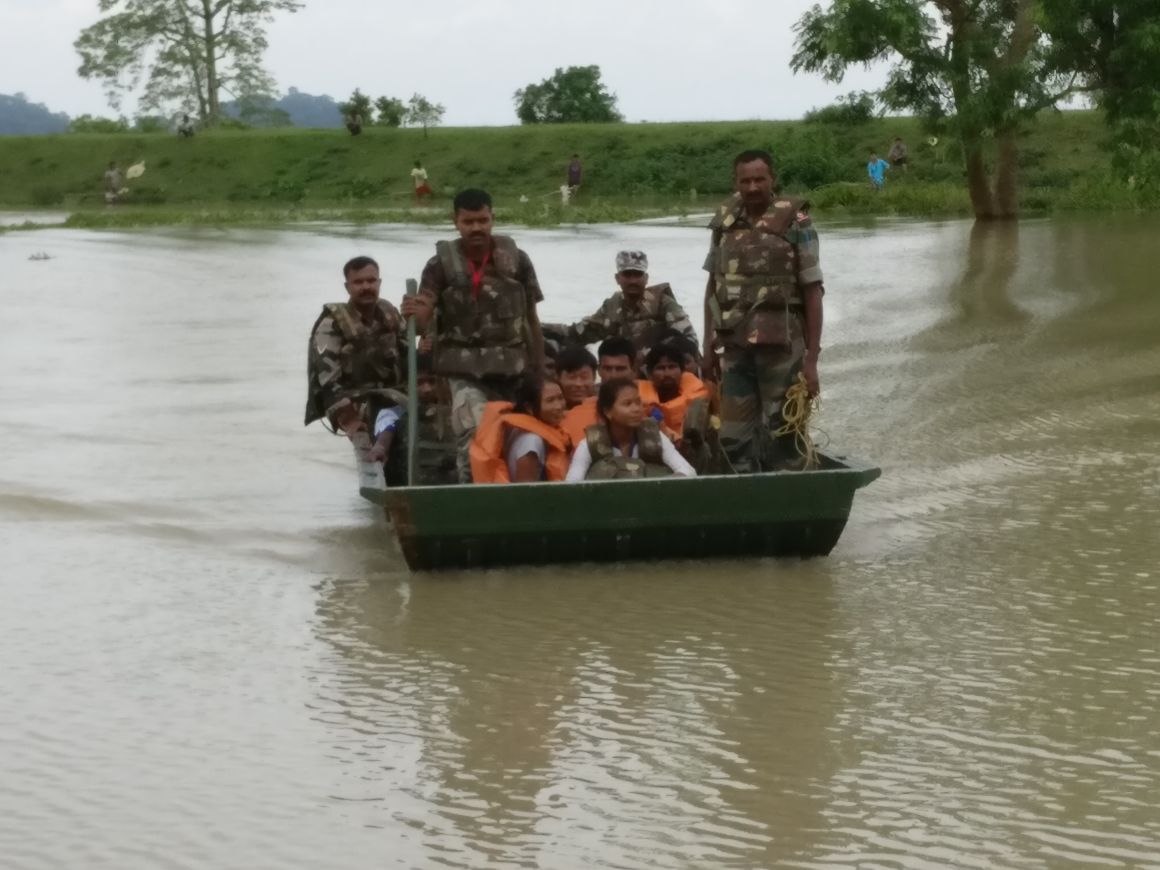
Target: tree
{"type": "Point", "coordinates": [572, 95]}
{"type": "Point", "coordinates": [358, 104]}
{"type": "Point", "coordinates": [979, 68]}
{"type": "Point", "coordinates": [391, 112]}
{"type": "Point", "coordinates": [423, 113]}
{"type": "Point", "coordinates": [1113, 46]}
{"type": "Point", "coordinates": [192, 49]}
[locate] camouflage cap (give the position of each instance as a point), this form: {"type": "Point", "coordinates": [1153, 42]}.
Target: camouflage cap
{"type": "Point", "coordinates": [631, 261]}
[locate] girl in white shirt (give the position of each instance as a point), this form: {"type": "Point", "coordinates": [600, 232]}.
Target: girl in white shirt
{"type": "Point", "coordinates": [618, 438]}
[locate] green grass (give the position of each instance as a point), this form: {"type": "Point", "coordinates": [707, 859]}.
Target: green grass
{"type": "Point", "coordinates": [631, 171]}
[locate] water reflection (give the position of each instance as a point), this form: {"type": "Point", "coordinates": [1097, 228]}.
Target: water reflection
{"type": "Point", "coordinates": [554, 736]}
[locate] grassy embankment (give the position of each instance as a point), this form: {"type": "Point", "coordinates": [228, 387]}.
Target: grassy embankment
{"type": "Point", "coordinates": [631, 171]}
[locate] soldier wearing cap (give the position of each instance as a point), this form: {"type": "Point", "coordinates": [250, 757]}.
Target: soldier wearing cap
{"type": "Point", "coordinates": [480, 293]}
{"type": "Point", "coordinates": [638, 312]}
{"type": "Point", "coordinates": [763, 312]}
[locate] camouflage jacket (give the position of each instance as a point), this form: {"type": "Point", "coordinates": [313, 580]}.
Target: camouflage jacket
{"type": "Point", "coordinates": [351, 359]}
{"type": "Point", "coordinates": [434, 450]}
{"type": "Point", "coordinates": [657, 312]}
{"type": "Point", "coordinates": [760, 267]}
{"type": "Point", "coordinates": [481, 330]}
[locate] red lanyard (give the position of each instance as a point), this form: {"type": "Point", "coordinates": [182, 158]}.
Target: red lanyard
{"type": "Point", "coordinates": [477, 275]}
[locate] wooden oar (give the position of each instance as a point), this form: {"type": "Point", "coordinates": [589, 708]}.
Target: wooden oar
{"type": "Point", "coordinates": [412, 391]}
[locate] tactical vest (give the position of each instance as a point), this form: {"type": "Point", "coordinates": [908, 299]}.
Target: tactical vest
{"type": "Point", "coordinates": [482, 334]}
{"type": "Point", "coordinates": [608, 465]}
{"type": "Point", "coordinates": [644, 325]}
{"type": "Point", "coordinates": [369, 359]}
{"type": "Point", "coordinates": [756, 271]}
{"type": "Point", "coordinates": [434, 451]}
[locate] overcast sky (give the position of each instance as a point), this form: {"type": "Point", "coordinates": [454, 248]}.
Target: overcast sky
{"type": "Point", "coordinates": [666, 60]}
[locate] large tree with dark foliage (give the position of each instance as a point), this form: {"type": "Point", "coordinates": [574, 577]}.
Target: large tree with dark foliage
{"type": "Point", "coordinates": [568, 96]}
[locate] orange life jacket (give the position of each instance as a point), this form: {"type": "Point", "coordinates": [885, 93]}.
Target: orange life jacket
{"type": "Point", "coordinates": [674, 410]}
{"type": "Point", "coordinates": [488, 448]}
{"type": "Point", "coordinates": [578, 419]}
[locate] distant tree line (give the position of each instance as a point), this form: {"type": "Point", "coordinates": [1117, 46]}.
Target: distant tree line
{"type": "Point", "coordinates": [392, 112]}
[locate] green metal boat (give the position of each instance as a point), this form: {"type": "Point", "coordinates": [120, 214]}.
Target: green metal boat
{"type": "Point", "coordinates": [798, 513]}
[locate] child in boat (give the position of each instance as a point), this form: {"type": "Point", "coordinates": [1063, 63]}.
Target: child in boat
{"type": "Point", "coordinates": [522, 442]}
{"type": "Point", "coordinates": [625, 443]}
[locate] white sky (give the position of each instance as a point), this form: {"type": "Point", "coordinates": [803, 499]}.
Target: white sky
{"type": "Point", "coordinates": [667, 60]}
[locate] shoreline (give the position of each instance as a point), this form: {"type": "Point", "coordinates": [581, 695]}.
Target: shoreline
{"type": "Point", "coordinates": [834, 203]}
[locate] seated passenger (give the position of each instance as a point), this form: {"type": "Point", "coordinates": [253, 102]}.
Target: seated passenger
{"type": "Point", "coordinates": [616, 361]}
{"type": "Point", "coordinates": [435, 446]}
{"type": "Point", "coordinates": [551, 351]}
{"type": "Point", "coordinates": [624, 443]}
{"type": "Point", "coordinates": [522, 443]}
{"type": "Point", "coordinates": [669, 390]}
{"type": "Point", "coordinates": [690, 352]}
{"type": "Point", "coordinates": [576, 373]}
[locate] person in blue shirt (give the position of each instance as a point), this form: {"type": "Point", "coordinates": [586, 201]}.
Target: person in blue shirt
{"type": "Point", "coordinates": [876, 169]}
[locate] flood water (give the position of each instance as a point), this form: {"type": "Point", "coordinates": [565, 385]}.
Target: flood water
{"type": "Point", "coordinates": [212, 656]}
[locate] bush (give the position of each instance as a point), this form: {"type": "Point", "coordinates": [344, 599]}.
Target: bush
{"type": "Point", "coordinates": [46, 196]}
{"type": "Point", "coordinates": [150, 124]}
{"type": "Point", "coordinates": [147, 195]}
{"type": "Point", "coordinates": [852, 110]}
{"type": "Point", "coordinates": [361, 188]}
{"type": "Point", "coordinates": [93, 124]}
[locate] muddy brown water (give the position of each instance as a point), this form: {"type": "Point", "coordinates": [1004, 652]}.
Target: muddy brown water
{"type": "Point", "coordinates": [212, 656]}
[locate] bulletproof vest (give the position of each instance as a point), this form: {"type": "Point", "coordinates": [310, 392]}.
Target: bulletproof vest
{"type": "Point", "coordinates": [645, 324]}
{"type": "Point", "coordinates": [756, 273]}
{"type": "Point", "coordinates": [369, 358]}
{"type": "Point", "coordinates": [484, 333]}
{"type": "Point", "coordinates": [608, 465]}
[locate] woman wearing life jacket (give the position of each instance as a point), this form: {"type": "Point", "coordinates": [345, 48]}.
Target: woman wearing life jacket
{"type": "Point", "coordinates": [624, 443]}
{"type": "Point", "coordinates": [522, 442]}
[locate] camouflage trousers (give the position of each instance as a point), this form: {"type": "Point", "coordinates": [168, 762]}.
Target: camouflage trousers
{"type": "Point", "coordinates": [754, 381]}
{"type": "Point", "coordinates": [468, 398]}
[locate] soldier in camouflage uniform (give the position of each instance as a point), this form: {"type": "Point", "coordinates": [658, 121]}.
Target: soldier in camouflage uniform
{"type": "Point", "coordinates": [763, 310]}
{"type": "Point", "coordinates": [480, 291]}
{"type": "Point", "coordinates": [436, 445]}
{"type": "Point", "coordinates": [357, 348]}
{"type": "Point", "coordinates": [638, 312]}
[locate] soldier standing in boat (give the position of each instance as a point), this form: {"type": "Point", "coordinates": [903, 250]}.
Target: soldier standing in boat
{"type": "Point", "coordinates": [638, 311]}
{"type": "Point", "coordinates": [480, 291]}
{"type": "Point", "coordinates": [763, 311]}
{"type": "Point", "coordinates": [354, 368]}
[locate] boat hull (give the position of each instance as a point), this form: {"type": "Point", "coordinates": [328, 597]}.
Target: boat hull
{"type": "Point", "coordinates": [776, 514]}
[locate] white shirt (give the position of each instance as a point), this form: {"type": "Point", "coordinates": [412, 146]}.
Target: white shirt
{"type": "Point", "coordinates": [521, 445]}
{"type": "Point", "coordinates": [420, 176]}
{"type": "Point", "coordinates": [582, 460]}
{"type": "Point", "coordinates": [387, 418]}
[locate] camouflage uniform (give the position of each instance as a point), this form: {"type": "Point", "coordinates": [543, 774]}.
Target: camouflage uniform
{"type": "Point", "coordinates": [760, 268]}
{"type": "Point", "coordinates": [355, 362]}
{"type": "Point", "coordinates": [481, 335]}
{"type": "Point", "coordinates": [657, 312]}
{"type": "Point", "coordinates": [435, 450]}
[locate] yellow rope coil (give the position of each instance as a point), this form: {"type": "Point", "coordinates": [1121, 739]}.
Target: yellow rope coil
{"type": "Point", "coordinates": [796, 411]}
